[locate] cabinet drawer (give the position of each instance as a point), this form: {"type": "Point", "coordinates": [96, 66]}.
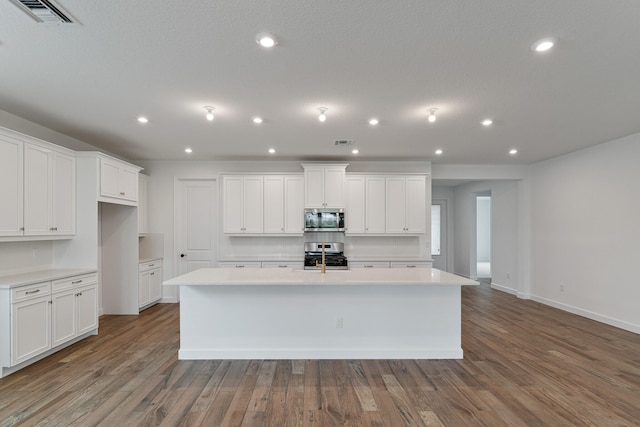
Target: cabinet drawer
{"type": "Point", "coordinates": [151, 265]}
{"type": "Point", "coordinates": [75, 281]}
{"type": "Point", "coordinates": [365, 264]}
{"type": "Point", "coordinates": [284, 264]}
{"type": "Point", "coordinates": [410, 264]}
{"type": "Point", "coordinates": [240, 264]}
{"type": "Point", "coordinates": [36, 290]}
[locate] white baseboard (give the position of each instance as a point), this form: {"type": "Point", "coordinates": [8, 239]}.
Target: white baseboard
{"type": "Point", "coordinates": [319, 353]}
{"type": "Point", "coordinates": [504, 288]}
{"type": "Point", "coordinates": [589, 314]}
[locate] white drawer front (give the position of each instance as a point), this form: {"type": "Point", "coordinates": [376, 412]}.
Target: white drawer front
{"type": "Point", "coordinates": [276, 264]}
{"type": "Point", "coordinates": [36, 290]}
{"type": "Point", "coordinates": [75, 281]}
{"type": "Point", "coordinates": [365, 264]}
{"type": "Point", "coordinates": [151, 265]}
{"type": "Point", "coordinates": [240, 264]}
{"type": "Point", "coordinates": [410, 264]}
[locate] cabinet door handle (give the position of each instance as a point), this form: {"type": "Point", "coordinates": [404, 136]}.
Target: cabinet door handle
{"type": "Point", "coordinates": [283, 266]}
{"type": "Point", "coordinates": [411, 266]}
{"type": "Point", "coordinates": [76, 282]}
{"type": "Point", "coordinates": [152, 274]}
{"type": "Point", "coordinates": [368, 266]}
{"type": "Point", "coordinates": [239, 266]}
{"type": "Point", "coordinates": [122, 193]}
{"type": "Point", "coordinates": [32, 292]}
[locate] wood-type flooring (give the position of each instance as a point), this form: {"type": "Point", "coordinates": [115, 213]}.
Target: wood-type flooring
{"type": "Point", "coordinates": [525, 364]}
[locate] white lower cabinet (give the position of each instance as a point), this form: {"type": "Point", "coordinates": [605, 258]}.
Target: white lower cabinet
{"type": "Point", "coordinates": [74, 307]}
{"type": "Point", "coordinates": [30, 321]}
{"type": "Point", "coordinates": [149, 283]}
{"type": "Point", "coordinates": [46, 315]}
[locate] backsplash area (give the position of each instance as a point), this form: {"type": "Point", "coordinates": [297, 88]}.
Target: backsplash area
{"type": "Point", "coordinates": [22, 257]}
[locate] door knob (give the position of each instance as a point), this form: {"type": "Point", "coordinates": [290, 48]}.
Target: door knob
{"type": "Point", "coordinates": [182, 255]}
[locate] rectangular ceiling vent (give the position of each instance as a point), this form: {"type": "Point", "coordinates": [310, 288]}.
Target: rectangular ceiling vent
{"type": "Point", "coordinates": [343, 142]}
{"type": "Point", "coordinates": [44, 11]}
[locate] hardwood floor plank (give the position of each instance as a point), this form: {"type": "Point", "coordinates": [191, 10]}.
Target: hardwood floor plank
{"type": "Point", "coordinates": [525, 364]}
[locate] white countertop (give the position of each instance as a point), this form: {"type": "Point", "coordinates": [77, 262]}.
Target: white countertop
{"type": "Point", "coordinates": [285, 276]}
{"type": "Point", "coordinates": [16, 280]}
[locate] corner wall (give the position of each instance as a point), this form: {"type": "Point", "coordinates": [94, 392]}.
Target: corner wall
{"type": "Point", "coordinates": [585, 211]}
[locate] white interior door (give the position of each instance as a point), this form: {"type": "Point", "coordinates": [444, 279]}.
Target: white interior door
{"type": "Point", "coordinates": [439, 234]}
{"type": "Point", "coordinates": [196, 219]}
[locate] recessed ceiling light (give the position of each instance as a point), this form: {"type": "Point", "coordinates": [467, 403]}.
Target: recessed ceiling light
{"type": "Point", "coordinates": [373, 121]}
{"type": "Point", "coordinates": [266, 40]}
{"type": "Point", "coordinates": [257, 120]}
{"type": "Point", "coordinates": [487, 122]}
{"type": "Point", "coordinates": [355, 151]}
{"type": "Point", "coordinates": [439, 152]}
{"type": "Point", "coordinates": [188, 150]}
{"type": "Point", "coordinates": [272, 150]}
{"type": "Point", "coordinates": [543, 45]}
{"type": "Point", "coordinates": [513, 151]}
{"type": "Point", "coordinates": [143, 119]}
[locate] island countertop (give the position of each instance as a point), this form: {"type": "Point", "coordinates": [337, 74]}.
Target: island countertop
{"type": "Point", "coordinates": [354, 276]}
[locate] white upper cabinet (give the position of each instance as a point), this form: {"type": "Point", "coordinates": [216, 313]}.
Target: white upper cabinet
{"type": "Point", "coordinates": [294, 204]}
{"type": "Point", "coordinates": [283, 204]}
{"type": "Point", "coordinates": [406, 209]}
{"type": "Point", "coordinates": [375, 204]}
{"type": "Point", "coordinates": [118, 182]}
{"type": "Point", "coordinates": [263, 204]}
{"type": "Point", "coordinates": [355, 205]}
{"type": "Point", "coordinates": [11, 186]}
{"type": "Point", "coordinates": [274, 204]}
{"type": "Point", "coordinates": [38, 188]}
{"type": "Point", "coordinates": [49, 191]}
{"type": "Point", "coordinates": [324, 185]}
{"type": "Point", "coordinates": [243, 204]}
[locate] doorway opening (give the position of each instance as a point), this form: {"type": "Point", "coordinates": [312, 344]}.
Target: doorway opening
{"type": "Point", "coordinates": [483, 237]}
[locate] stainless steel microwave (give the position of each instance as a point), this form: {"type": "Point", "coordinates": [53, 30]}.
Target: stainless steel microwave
{"type": "Point", "coordinates": [324, 220]}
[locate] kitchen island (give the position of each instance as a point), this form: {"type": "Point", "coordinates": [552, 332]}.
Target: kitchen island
{"type": "Point", "coordinates": [254, 313]}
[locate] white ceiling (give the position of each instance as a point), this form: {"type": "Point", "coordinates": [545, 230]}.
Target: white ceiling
{"type": "Point", "coordinates": [359, 58]}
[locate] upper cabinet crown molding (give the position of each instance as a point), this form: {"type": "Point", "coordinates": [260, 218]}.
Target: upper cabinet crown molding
{"type": "Point", "coordinates": [324, 185]}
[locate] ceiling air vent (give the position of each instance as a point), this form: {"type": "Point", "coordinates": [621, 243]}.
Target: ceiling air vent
{"type": "Point", "coordinates": [338, 142]}
{"type": "Point", "coordinates": [44, 11]}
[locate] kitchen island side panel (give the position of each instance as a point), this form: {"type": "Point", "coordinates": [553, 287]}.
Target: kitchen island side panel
{"type": "Point", "coordinates": [393, 321]}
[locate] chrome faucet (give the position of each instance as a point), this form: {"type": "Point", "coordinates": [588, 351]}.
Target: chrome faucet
{"type": "Point", "coordinates": [322, 266]}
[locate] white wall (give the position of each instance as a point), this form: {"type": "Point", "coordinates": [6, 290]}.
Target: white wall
{"type": "Point", "coordinates": [585, 210]}
{"type": "Point", "coordinates": [22, 257]}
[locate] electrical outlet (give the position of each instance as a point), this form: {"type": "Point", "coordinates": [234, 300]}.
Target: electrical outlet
{"type": "Point", "coordinates": [339, 323]}
{"type": "Point", "coordinates": [508, 275]}
{"type": "Point", "coordinates": [562, 287]}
